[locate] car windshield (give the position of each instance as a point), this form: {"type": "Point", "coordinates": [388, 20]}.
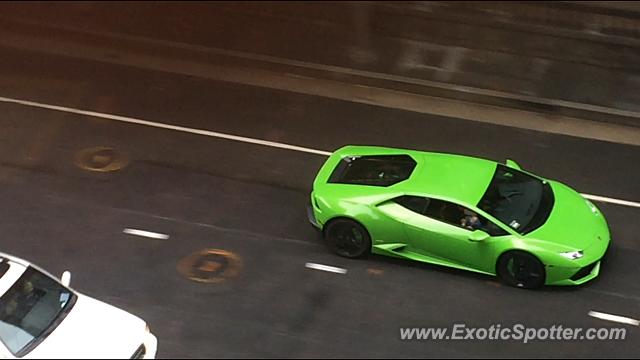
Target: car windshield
{"type": "Point", "coordinates": [31, 309]}
{"type": "Point", "coordinates": [519, 200]}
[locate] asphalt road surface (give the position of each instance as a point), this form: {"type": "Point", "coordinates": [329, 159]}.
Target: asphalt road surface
{"type": "Point", "coordinates": [249, 200]}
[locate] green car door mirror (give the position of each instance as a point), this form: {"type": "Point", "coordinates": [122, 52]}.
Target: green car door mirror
{"type": "Point", "coordinates": [512, 164]}
{"type": "Point", "coordinates": [478, 235]}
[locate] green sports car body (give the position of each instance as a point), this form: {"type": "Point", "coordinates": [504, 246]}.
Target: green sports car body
{"type": "Point", "coordinates": [458, 211]}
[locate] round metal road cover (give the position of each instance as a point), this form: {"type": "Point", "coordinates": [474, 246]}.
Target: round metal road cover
{"type": "Point", "coordinates": [101, 159]}
{"type": "Point", "coordinates": [210, 266]}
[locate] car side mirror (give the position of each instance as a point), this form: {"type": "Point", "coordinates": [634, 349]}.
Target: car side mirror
{"type": "Point", "coordinates": [478, 236]}
{"type": "Point", "coordinates": [512, 164]}
{"type": "Point", "coordinates": [66, 278]}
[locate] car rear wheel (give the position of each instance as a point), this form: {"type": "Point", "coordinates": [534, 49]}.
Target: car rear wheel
{"type": "Point", "coordinates": [520, 269]}
{"type": "Point", "coordinates": [347, 238]}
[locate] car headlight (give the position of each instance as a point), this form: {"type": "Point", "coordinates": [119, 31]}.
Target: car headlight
{"type": "Point", "coordinates": [573, 255]}
{"type": "Point", "coordinates": [593, 208]}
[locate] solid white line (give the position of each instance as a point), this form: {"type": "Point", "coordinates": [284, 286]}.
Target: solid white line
{"type": "Point", "coordinates": [610, 200]}
{"type": "Point", "coordinates": [614, 318]}
{"type": "Point", "coordinates": [328, 268]}
{"type": "Point", "coordinates": [215, 134]}
{"type": "Point", "coordinates": [148, 234]}
{"type": "Point", "coordinates": [164, 126]}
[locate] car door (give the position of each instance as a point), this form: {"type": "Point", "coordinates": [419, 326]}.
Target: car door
{"type": "Point", "coordinates": [436, 231]}
{"type": "Point", "coordinates": [399, 214]}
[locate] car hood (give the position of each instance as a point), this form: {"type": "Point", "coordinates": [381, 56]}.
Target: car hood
{"type": "Point", "coordinates": [93, 329]}
{"type": "Point", "coordinates": [574, 222]}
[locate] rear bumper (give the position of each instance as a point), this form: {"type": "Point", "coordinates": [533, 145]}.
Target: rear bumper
{"type": "Point", "coordinates": [312, 217]}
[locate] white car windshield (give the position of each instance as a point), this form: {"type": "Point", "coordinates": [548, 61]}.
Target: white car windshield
{"type": "Point", "coordinates": [31, 309]}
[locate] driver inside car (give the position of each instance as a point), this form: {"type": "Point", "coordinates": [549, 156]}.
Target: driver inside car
{"type": "Point", "coordinates": [470, 220]}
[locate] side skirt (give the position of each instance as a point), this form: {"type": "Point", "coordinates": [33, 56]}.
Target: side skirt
{"type": "Point", "coordinates": [399, 250]}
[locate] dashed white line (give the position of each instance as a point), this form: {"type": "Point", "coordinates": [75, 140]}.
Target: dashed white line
{"type": "Point", "coordinates": [220, 135]}
{"type": "Point", "coordinates": [614, 318]}
{"type": "Point", "coordinates": [328, 268]}
{"type": "Point", "coordinates": [149, 234]}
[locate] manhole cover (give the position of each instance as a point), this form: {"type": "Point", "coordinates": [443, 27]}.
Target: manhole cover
{"type": "Point", "coordinates": [101, 159]}
{"type": "Point", "coordinates": [210, 266]}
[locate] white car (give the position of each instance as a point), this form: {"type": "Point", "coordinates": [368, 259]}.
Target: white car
{"type": "Point", "coordinates": [41, 317]}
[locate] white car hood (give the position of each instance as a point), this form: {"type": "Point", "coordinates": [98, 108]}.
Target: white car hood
{"type": "Point", "coordinates": [93, 329]}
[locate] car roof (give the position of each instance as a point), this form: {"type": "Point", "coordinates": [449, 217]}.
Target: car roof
{"type": "Point", "coordinates": [460, 178]}
{"type": "Point", "coordinates": [14, 259]}
{"type": "Point", "coordinates": [11, 274]}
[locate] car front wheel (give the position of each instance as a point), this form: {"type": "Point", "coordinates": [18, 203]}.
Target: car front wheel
{"type": "Point", "coordinates": [521, 269]}
{"type": "Point", "coordinates": [347, 238]}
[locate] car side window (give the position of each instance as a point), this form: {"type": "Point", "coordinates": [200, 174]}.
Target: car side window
{"type": "Point", "coordinates": [416, 204]}
{"type": "Point", "coordinates": [458, 215]}
{"type": "Point", "coordinates": [450, 213]}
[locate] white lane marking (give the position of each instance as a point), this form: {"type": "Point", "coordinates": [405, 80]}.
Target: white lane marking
{"type": "Point", "coordinates": [328, 268]}
{"type": "Point", "coordinates": [164, 126]}
{"type": "Point", "coordinates": [144, 233]}
{"type": "Point", "coordinates": [225, 136]}
{"type": "Point", "coordinates": [610, 200]}
{"type": "Point", "coordinates": [614, 318]}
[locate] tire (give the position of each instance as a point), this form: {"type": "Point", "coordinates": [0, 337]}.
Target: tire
{"type": "Point", "coordinates": [521, 269]}
{"type": "Point", "coordinates": [347, 238]}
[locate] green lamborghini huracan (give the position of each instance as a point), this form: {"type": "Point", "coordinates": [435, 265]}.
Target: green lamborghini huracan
{"type": "Point", "coordinates": [458, 211]}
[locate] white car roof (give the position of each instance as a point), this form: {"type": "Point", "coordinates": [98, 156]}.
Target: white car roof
{"type": "Point", "coordinates": [12, 275]}
{"type": "Point", "coordinates": [14, 259]}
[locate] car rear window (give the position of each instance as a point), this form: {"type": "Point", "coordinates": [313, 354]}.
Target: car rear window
{"type": "Point", "coordinates": [374, 170]}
